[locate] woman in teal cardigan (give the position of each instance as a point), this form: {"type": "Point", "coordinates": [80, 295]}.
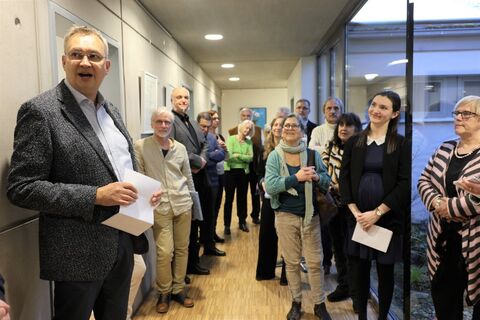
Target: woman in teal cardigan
{"type": "Point", "coordinates": [240, 152]}
{"type": "Point", "coordinates": [289, 180]}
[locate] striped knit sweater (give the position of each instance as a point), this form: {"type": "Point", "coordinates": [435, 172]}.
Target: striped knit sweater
{"type": "Point", "coordinates": [432, 184]}
{"type": "Point", "coordinates": [332, 158]}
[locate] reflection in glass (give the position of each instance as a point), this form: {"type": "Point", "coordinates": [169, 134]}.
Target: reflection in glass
{"type": "Point", "coordinates": [445, 68]}
{"type": "Point", "coordinates": [375, 61]}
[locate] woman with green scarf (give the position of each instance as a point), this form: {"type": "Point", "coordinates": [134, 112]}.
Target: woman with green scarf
{"type": "Point", "coordinates": [289, 182]}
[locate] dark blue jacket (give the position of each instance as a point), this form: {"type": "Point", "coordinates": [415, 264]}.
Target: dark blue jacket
{"type": "Point", "coordinates": [215, 154]}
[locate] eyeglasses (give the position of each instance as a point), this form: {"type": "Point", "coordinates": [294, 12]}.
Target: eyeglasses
{"type": "Point", "coordinates": [464, 114]}
{"type": "Point", "coordinates": [164, 122]}
{"type": "Point", "coordinates": [215, 118]}
{"type": "Point", "coordinates": [291, 126]}
{"type": "Point", "coordinates": [79, 55]}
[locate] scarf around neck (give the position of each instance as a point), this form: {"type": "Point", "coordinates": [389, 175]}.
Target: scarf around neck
{"type": "Point", "coordinates": [283, 148]}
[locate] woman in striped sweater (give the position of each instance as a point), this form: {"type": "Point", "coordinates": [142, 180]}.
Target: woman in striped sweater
{"type": "Point", "coordinates": [348, 124]}
{"type": "Point", "coordinates": [453, 237]}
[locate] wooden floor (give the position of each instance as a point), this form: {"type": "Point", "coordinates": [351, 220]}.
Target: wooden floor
{"type": "Point", "coordinates": [231, 292]}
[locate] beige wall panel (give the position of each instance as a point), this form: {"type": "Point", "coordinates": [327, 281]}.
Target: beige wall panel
{"type": "Point", "coordinates": [113, 5]}
{"type": "Point", "coordinates": [27, 295]}
{"type": "Point", "coordinates": [138, 19]}
{"type": "Point", "coordinates": [19, 82]}
{"type": "Point", "coordinates": [94, 13]}
{"type": "Point", "coordinates": [184, 59]}
{"type": "Point", "coordinates": [139, 57]}
{"type": "Point", "coordinates": [295, 83]}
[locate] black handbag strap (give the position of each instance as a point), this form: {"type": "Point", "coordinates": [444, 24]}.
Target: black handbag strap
{"type": "Point", "coordinates": [311, 159]}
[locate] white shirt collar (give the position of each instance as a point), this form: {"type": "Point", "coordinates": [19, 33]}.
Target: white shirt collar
{"type": "Point", "coordinates": [80, 97]}
{"type": "Point", "coordinates": [378, 141]}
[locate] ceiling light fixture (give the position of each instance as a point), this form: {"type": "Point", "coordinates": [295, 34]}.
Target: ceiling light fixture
{"type": "Point", "coordinates": [228, 65]}
{"type": "Point", "coordinates": [213, 37]}
{"type": "Point", "coordinates": [400, 61]}
{"type": "Point", "coordinates": [234, 78]}
{"type": "Point", "coordinates": [370, 76]}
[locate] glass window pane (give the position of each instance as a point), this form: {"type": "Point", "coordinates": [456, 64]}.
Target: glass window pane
{"type": "Point", "coordinates": [375, 61]}
{"type": "Point", "coordinates": [445, 69]}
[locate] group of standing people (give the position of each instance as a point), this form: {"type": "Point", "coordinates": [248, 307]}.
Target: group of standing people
{"type": "Point", "coordinates": [71, 150]}
{"type": "Point", "coordinates": [364, 170]}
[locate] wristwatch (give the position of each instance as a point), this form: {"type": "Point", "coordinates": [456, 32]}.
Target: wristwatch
{"type": "Point", "coordinates": [436, 202]}
{"type": "Point", "coordinates": [378, 212]}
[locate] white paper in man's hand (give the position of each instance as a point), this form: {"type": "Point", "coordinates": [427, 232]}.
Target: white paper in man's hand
{"type": "Point", "coordinates": [376, 237]}
{"type": "Point", "coordinates": [138, 216]}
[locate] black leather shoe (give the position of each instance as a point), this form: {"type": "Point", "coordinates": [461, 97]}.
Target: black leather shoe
{"type": "Point", "coordinates": [243, 227]}
{"type": "Point", "coordinates": [188, 280]}
{"type": "Point", "coordinates": [217, 239]}
{"type": "Point", "coordinates": [321, 312]}
{"type": "Point", "coordinates": [295, 311]}
{"type": "Point", "coordinates": [338, 295]}
{"type": "Point", "coordinates": [214, 252]}
{"type": "Point", "coordinates": [227, 230]}
{"type": "Point", "coordinates": [256, 220]}
{"type": "Point", "coordinates": [355, 306]}
{"type": "Point", "coordinates": [198, 270]}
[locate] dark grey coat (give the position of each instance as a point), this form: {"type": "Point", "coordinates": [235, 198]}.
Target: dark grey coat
{"type": "Point", "coordinates": [57, 165]}
{"type": "Point", "coordinates": [181, 134]}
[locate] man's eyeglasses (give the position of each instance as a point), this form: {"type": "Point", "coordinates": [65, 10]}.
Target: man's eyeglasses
{"type": "Point", "coordinates": [164, 122]}
{"type": "Point", "coordinates": [464, 114]}
{"type": "Point", "coordinates": [79, 55]}
{"type": "Point", "coordinates": [215, 118]}
{"type": "Point", "coordinates": [291, 126]}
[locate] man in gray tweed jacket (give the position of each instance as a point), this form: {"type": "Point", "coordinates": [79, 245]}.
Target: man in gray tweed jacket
{"type": "Point", "coordinates": [71, 149]}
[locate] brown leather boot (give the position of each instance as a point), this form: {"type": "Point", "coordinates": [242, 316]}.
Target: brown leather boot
{"type": "Point", "coordinates": [183, 299]}
{"type": "Point", "coordinates": [163, 303]}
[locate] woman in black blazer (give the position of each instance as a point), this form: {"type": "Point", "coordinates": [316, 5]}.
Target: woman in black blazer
{"type": "Point", "coordinates": [374, 183]}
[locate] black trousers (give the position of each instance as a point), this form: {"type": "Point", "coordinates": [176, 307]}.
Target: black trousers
{"type": "Point", "coordinates": [253, 182]}
{"type": "Point", "coordinates": [449, 283]}
{"type": "Point", "coordinates": [200, 182]}
{"type": "Point", "coordinates": [385, 287]}
{"type": "Point", "coordinates": [235, 179]}
{"type": "Point", "coordinates": [326, 246]}
{"type": "Point", "coordinates": [207, 226]}
{"type": "Point", "coordinates": [218, 198]}
{"type": "Point", "coordinates": [267, 243]}
{"type": "Point", "coordinates": [338, 234]}
{"type": "Point", "coordinates": [108, 297]}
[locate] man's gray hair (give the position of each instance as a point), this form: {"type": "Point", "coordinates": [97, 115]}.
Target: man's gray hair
{"type": "Point", "coordinates": [84, 31]}
{"type": "Point", "coordinates": [338, 101]}
{"type": "Point", "coordinates": [162, 110]}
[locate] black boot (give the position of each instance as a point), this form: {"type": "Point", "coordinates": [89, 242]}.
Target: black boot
{"type": "Point", "coordinates": [321, 312]}
{"type": "Point", "coordinates": [295, 311]}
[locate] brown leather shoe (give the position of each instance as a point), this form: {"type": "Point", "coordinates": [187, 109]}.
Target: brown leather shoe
{"type": "Point", "coordinates": [163, 303]}
{"type": "Point", "coordinates": [183, 299]}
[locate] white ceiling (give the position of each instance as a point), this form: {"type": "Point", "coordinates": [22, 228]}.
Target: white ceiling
{"type": "Point", "coordinates": [263, 38]}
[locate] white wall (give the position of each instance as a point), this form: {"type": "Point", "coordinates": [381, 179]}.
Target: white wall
{"type": "Point", "coordinates": [234, 100]}
{"type": "Point", "coordinates": [302, 84]}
